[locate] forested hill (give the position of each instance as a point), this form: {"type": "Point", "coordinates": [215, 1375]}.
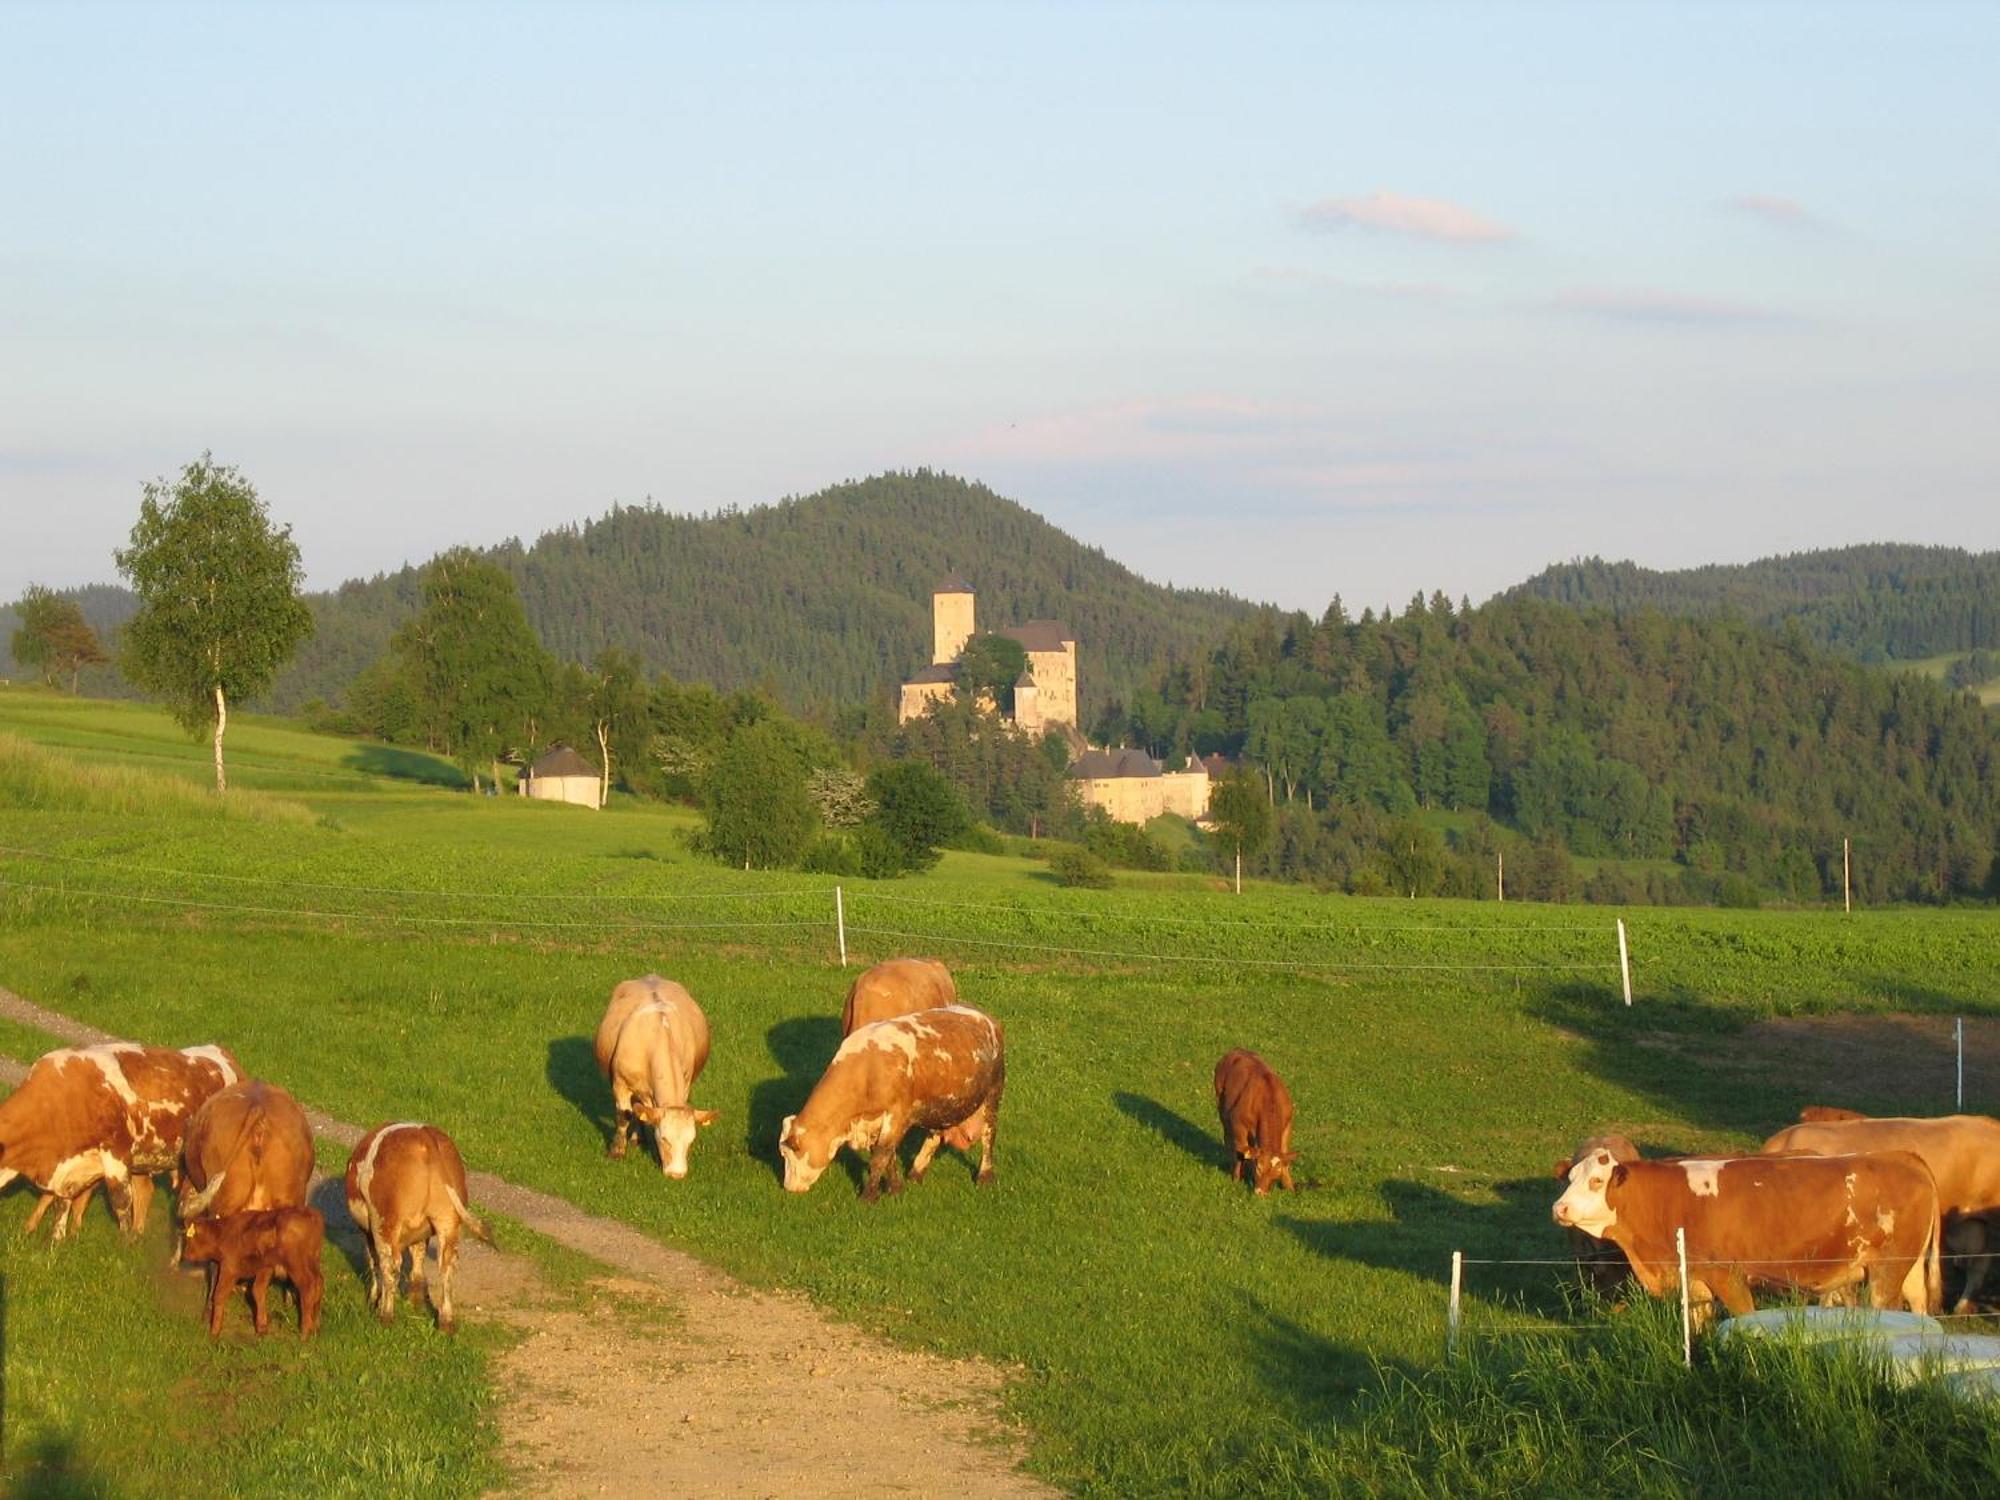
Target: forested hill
{"type": "Point", "coordinates": [824, 599]}
{"type": "Point", "coordinates": [1884, 602]}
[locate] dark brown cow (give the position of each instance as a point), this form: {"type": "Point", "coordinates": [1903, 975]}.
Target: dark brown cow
{"type": "Point", "coordinates": [248, 1148]}
{"type": "Point", "coordinates": [896, 987]}
{"type": "Point", "coordinates": [1962, 1151]}
{"type": "Point", "coordinates": [406, 1186]}
{"type": "Point", "coordinates": [1813, 1223]}
{"type": "Point", "coordinates": [112, 1114]}
{"type": "Point", "coordinates": [1599, 1262]}
{"type": "Point", "coordinates": [254, 1247]}
{"type": "Point", "coordinates": [1256, 1111]}
{"type": "Point", "coordinates": [940, 1070]}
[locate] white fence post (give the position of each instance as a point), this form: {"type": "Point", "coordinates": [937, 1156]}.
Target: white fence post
{"type": "Point", "coordinates": [1961, 1064]}
{"type": "Point", "coordinates": [840, 923]}
{"type": "Point", "coordinates": [1687, 1321]}
{"type": "Point", "coordinates": [1451, 1317]}
{"type": "Point", "coordinates": [1624, 961]}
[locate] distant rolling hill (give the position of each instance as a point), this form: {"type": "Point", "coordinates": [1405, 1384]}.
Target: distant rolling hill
{"type": "Point", "coordinates": [1882, 602]}
{"type": "Point", "coordinates": [824, 599]}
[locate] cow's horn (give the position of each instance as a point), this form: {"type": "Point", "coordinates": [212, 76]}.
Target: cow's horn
{"type": "Point", "coordinates": [198, 1204]}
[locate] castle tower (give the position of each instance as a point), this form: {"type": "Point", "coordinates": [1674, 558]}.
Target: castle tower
{"type": "Point", "coordinates": [951, 619]}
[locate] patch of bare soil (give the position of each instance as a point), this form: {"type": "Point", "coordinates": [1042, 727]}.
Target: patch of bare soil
{"type": "Point", "coordinates": [1879, 1064]}
{"type": "Point", "coordinates": [670, 1378]}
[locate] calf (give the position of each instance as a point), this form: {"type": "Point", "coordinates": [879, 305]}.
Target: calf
{"type": "Point", "coordinates": [1599, 1262]}
{"type": "Point", "coordinates": [896, 988]}
{"type": "Point", "coordinates": [652, 1045]}
{"type": "Point", "coordinates": [254, 1247]}
{"type": "Point", "coordinates": [940, 1070]}
{"type": "Point", "coordinates": [1814, 1223]}
{"type": "Point", "coordinates": [111, 1114]}
{"type": "Point", "coordinates": [1962, 1151]}
{"type": "Point", "coordinates": [406, 1187]}
{"type": "Point", "coordinates": [1256, 1111]}
{"type": "Point", "coordinates": [247, 1149]}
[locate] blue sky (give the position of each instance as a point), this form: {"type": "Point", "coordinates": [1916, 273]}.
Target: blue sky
{"type": "Point", "coordinates": [1288, 299]}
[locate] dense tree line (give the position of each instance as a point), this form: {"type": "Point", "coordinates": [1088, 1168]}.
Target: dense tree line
{"type": "Point", "coordinates": [1886, 602]}
{"type": "Point", "coordinates": [1740, 756]}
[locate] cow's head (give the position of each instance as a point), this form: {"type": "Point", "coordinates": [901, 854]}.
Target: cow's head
{"type": "Point", "coordinates": [1585, 1203]}
{"type": "Point", "coordinates": [674, 1126]}
{"type": "Point", "coordinates": [200, 1241]}
{"type": "Point", "coordinates": [801, 1171]}
{"type": "Point", "coordinates": [1268, 1166]}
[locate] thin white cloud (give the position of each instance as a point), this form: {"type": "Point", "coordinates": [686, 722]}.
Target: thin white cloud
{"type": "Point", "coordinates": [1672, 309]}
{"type": "Point", "coordinates": [1418, 218]}
{"type": "Point", "coordinates": [1406, 291]}
{"type": "Point", "coordinates": [1781, 213]}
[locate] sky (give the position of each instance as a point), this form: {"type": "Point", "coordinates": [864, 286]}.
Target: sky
{"type": "Point", "coordinates": [1293, 300]}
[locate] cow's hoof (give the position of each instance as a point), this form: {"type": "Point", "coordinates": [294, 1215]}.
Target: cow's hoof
{"type": "Point", "coordinates": [984, 1179]}
{"type": "Point", "coordinates": [384, 1315]}
{"type": "Point", "coordinates": [447, 1325]}
{"type": "Point", "coordinates": [615, 1153]}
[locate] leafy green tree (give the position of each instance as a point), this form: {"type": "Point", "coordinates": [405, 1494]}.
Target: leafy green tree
{"type": "Point", "coordinates": [219, 607]}
{"type": "Point", "coordinates": [755, 800]}
{"type": "Point", "coordinates": [485, 679]}
{"type": "Point", "coordinates": [988, 668]}
{"type": "Point", "coordinates": [54, 636]}
{"type": "Point", "coordinates": [918, 809]}
{"type": "Point", "coordinates": [1241, 812]}
{"type": "Point", "coordinates": [839, 796]}
{"type": "Point", "coordinates": [615, 703]}
{"type": "Point", "coordinates": [1412, 857]}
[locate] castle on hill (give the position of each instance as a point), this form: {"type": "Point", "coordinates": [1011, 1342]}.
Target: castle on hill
{"type": "Point", "coordinates": [1128, 785]}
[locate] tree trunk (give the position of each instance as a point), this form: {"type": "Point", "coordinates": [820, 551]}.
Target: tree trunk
{"type": "Point", "coordinates": [603, 763]}
{"type": "Point", "coordinates": [221, 723]}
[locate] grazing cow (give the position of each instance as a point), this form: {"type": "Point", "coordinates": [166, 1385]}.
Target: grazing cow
{"type": "Point", "coordinates": [113, 1114]}
{"type": "Point", "coordinates": [1828, 1114]}
{"type": "Point", "coordinates": [1256, 1111]}
{"type": "Point", "coordinates": [940, 1071]}
{"type": "Point", "coordinates": [406, 1186]}
{"type": "Point", "coordinates": [1599, 1262]}
{"type": "Point", "coordinates": [1814, 1223]}
{"type": "Point", "coordinates": [248, 1148]}
{"type": "Point", "coordinates": [1962, 1151]}
{"type": "Point", "coordinates": [896, 987]}
{"type": "Point", "coordinates": [652, 1045]}
{"type": "Point", "coordinates": [254, 1247]}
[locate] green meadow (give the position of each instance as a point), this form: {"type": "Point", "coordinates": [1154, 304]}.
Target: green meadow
{"type": "Point", "coordinates": [386, 945]}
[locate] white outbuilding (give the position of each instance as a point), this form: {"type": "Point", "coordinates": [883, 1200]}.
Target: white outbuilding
{"type": "Point", "coordinates": [562, 776]}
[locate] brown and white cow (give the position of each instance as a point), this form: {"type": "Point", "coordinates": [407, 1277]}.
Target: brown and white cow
{"type": "Point", "coordinates": [1256, 1111]}
{"type": "Point", "coordinates": [1814, 1223]}
{"type": "Point", "coordinates": [254, 1247]}
{"type": "Point", "coordinates": [248, 1148]}
{"type": "Point", "coordinates": [652, 1045]}
{"type": "Point", "coordinates": [406, 1188]}
{"type": "Point", "coordinates": [114, 1114]}
{"type": "Point", "coordinates": [1599, 1262]}
{"type": "Point", "coordinates": [896, 987]}
{"type": "Point", "coordinates": [940, 1070]}
{"type": "Point", "coordinates": [1962, 1151]}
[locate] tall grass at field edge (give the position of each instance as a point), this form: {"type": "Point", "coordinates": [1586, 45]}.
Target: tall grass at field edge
{"type": "Point", "coordinates": [34, 780]}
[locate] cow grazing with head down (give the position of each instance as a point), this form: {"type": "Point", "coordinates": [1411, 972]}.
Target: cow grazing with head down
{"type": "Point", "coordinates": [114, 1114]}
{"type": "Point", "coordinates": [1962, 1151]}
{"type": "Point", "coordinates": [255, 1247]}
{"type": "Point", "coordinates": [1256, 1111]}
{"type": "Point", "coordinates": [1817, 1224]}
{"type": "Point", "coordinates": [248, 1148]}
{"type": "Point", "coordinates": [1599, 1262]}
{"type": "Point", "coordinates": [940, 1071]}
{"type": "Point", "coordinates": [896, 987]}
{"type": "Point", "coordinates": [406, 1187]}
{"type": "Point", "coordinates": [652, 1045]}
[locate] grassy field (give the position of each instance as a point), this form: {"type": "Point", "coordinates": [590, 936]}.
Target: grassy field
{"type": "Point", "coordinates": [1936, 666]}
{"type": "Point", "coordinates": [401, 950]}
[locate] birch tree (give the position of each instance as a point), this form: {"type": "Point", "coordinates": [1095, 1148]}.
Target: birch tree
{"type": "Point", "coordinates": [219, 606]}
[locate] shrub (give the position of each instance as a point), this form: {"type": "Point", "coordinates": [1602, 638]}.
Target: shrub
{"type": "Point", "coordinates": [880, 856]}
{"type": "Point", "coordinates": [1073, 865]}
{"type": "Point", "coordinates": [831, 854]}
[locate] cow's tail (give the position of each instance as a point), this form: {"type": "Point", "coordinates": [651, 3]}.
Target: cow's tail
{"type": "Point", "coordinates": [1933, 1271]}
{"type": "Point", "coordinates": [470, 1220]}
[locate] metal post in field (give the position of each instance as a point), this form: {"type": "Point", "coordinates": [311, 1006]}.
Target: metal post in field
{"type": "Point", "coordinates": [1500, 871]}
{"type": "Point", "coordinates": [1451, 1316]}
{"type": "Point", "coordinates": [1846, 878]}
{"type": "Point", "coordinates": [1687, 1319]}
{"type": "Point", "coordinates": [1624, 961]}
{"type": "Point", "coordinates": [1961, 1064]}
{"type": "Point", "coordinates": [840, 923]}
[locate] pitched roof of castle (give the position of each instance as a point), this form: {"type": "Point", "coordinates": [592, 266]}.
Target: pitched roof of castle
{"type": "Point", "coordinates": [1040, 635]}
{"type": "Point", "coordinates": [951, 583]}
{"type": "Point", "coordinates": [1106, 765]}
{"type": "Point", "coordinates": [942, 671]}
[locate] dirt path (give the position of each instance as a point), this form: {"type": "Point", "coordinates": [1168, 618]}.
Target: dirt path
{"type": "Point", "coordinates": [673, 1378]}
